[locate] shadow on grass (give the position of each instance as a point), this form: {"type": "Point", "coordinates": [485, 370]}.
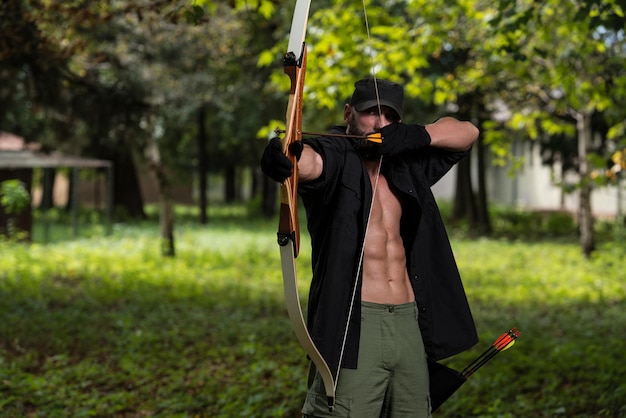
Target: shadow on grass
{"type": "Point", "coordinates": [155, 352]}
{"type": "Point", "coordinates": [80, 349]}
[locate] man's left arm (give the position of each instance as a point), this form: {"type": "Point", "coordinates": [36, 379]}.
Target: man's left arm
{"type": "Point", "coordinates": [446, 133]}
{"type": "Point", "coordinates": [452, 134]}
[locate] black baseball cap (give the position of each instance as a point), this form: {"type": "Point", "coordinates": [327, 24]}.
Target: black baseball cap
{"type": "Point", "coordinates": [389, 94]}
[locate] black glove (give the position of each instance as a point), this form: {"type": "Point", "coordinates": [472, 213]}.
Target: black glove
{"type": "Point", "coordinates": [275, 164]}
{"type": "Point", "coordinates": [399, 138]}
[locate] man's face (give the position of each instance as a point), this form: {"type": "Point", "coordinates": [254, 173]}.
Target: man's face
{"type": "Point", "coordinates": [370, 120]}
{"type": "Point", "coordinates": [366, 122]}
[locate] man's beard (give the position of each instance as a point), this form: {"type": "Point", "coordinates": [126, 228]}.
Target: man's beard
{"type": "Point", "coordinates": [366, 148]}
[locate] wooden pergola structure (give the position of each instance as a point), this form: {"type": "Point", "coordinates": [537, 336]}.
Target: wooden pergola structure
{"type": "Point", "coordinates": [19, 164]}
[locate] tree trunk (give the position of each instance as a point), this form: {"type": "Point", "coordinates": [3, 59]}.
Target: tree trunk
{"type": "Point", "coordinates": [203, 165]}
{"type": "Point", "coordinates": [126, 188]}
{"type": "Point", "coordinates": [166, 224]}
{"type": "Point", "coordinates": [230, 182]}
{"type": "Point", "coordinates": [585, 214]}
{"type": "Point", "coordinates": [483, 223]}
{"type": "Point", "coordinates": [255, 177]}
{"type": "Point", "coordinates": [71, 191]}
{"type": "Point", "coordinates": [269, 197]}
{"type": "Point", "coordinates": [166, 206]}
{"type": "Point", "coordinates": [47, 192]}
{"type": "Point", "coordinates": [464, 204]}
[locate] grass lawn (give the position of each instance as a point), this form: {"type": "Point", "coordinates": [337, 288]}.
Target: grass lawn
{"type": "Point", "coordinates": [104, 326]}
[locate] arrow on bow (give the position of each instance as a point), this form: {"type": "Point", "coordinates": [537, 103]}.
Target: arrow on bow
{"type": "Point", "coordinates": [288, 227]}
{"type": "Point", "coordinates": [376, 137]}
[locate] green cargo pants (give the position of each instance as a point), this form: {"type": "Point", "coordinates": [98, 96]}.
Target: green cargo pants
{"type": "Point", "coordinates": [391, 379]}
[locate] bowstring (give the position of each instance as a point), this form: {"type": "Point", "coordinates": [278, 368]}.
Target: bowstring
{"type": "Point", "coordinates": [371, 55]}
{"type": "Point", "coordinates": [369, 215]}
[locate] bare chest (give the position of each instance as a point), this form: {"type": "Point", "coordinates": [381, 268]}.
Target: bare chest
{"type": "Point", "coordinates": [386, 209]}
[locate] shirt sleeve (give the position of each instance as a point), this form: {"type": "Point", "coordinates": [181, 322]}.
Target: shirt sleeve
{"type": "Point", "coordinates": [438, 162]}
{"type": "Point", "coordinates": [333, 152]}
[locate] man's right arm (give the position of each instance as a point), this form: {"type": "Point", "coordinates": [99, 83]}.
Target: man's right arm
{"type": "Point", "coordinates": [278, 167]}
{"type": "Point", "coordinates": [310, 165]}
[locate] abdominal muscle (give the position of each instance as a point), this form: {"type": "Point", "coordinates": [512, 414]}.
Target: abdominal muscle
{"type": "Point", "coordinates": [385, 278]}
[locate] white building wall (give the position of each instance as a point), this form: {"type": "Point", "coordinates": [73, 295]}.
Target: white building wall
{"type": "Point", "coordinates": [532, 188]}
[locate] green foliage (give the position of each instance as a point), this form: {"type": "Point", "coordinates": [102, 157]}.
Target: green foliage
{"type": "Point", "coordinates": [532, 66]}
{"type": "Point", "coordinates": [107, 327]}
{"type": "Point", "coordinates": [534, 225]}
{"type": "Point", "coordinates": [14, 197]}
{"type": "Point", "coordinates": [554, 61]}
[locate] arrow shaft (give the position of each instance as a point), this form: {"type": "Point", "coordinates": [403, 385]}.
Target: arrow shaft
{"type": "Point", "coordinates": [375, 137]}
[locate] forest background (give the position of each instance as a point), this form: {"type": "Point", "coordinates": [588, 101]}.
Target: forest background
{"type": "Point", "coordinates": [191, 91]}
{"type": "Point", "coordinates": [185, 90]}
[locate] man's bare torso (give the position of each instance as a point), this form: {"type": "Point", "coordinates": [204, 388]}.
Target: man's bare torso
{"type": "Point", "coordinates": [385, 278]}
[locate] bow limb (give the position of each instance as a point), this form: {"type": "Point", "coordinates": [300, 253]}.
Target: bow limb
{"type": "Point", "coordinates": [288, 226]}
{"type": "Point", "coordinates": [290, 285]}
